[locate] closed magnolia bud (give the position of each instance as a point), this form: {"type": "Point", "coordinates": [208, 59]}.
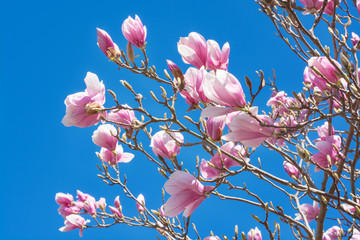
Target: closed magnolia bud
{"type": "Point", "coordinates": [102, 204]}
{"type": "Point", "coordinates": [140, 204]}
{"type": "Point", "coordinates": [130, 52]}
{"type": "Point", "coordinates": [134, 31]}
{"type": "Point", "coordinates": [291, 170]}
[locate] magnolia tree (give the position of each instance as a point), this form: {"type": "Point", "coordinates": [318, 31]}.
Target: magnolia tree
{"type": "Point", "coordinates": [315, 132]}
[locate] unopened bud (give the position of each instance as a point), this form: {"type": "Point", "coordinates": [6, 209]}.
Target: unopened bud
{"type": "Point", "coordinates": [130, 52]}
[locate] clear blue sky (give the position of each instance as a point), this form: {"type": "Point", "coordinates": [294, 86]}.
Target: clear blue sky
{"type": "Point", "coordinates": [46, 48]}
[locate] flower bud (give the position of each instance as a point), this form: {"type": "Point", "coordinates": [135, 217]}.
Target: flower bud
{"type": "Point", "coordinates": [254, 234]}
{"type": "Point", "coordinates": [102, 204]}
{"type": "Point", "coordinates": [291, 170]}
{"type": "Point", "coordinates": [115, 211]}
{"type": "Point", "coordinates": [134, 31]}
{"type": "Point", "coordinates": [64, 199]}
{"type": "Point", "coordinates": [104, 41]}
{"type": "Point", "coordinates": [117, 202]}
{"type": "Point", "coordinates": [140, 204]}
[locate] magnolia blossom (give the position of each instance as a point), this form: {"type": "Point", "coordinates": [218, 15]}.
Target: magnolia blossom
{"type": "Point", "coordinates": [323, 132]}
{"type": "Point", "coordinates": [332, 233]}
{"type": "Point", "coordinates": [82, 108]}
{"type": "Point", "coordinates": [327, 152]}
{"type": "Point", "coordinates": [193, 49]}
{"type": "Point", "coordinates": [327, 70]}
{"type": "Point", "coordinates": [212, 238]}
{"type": "Point", "coordinates": [64, 199]}
{"type": "Point", "coordinates": [115, 211]}
{"type": "Point", "coordinates": [74, 221]}
{"type": "Point", "coordinates": [187, 193]}
{"type": "Point", "coordinates": [101, 203]}
{"type": "Point", "coordinates": [310, 211]}
{"type": "Point", "coordinates": [358, 5]}
{"type": "Point", "coordinates": [315, 5]}
{"type": "Point", "coordinates": [193, 91]}
{"type": "Point", "coordinates": [140, 204]}
{"type": "Point", "coordinates": [223, 88]}
{"type": "Point", "coordinates": [216, 58]}
{"type": "Point", "coordinates": [215, 127]}
{"type": "Point", "coordinates": [113, 157]}
{"type": "Point", "coordinates": [122, 116]}
{"type": "Point", "coordinates": [166, 144]}
{"type": "Point", "coordinates": [105, 43]}
{"type": "Point", "coordinates": [104, 136]}
{"type": "Point", "coordinates": [312, 5]}
{"type": "Point", "coordinates": [254, 234]}
{"type": "Point", "coordinates": [134, 31]}
{"type": "Point", "coordinates": [279, 102]}
{"type": "Point", "coordinates": [355, 38]}
{"type": "Point", "coordinates": [73, 208]}
{"type": "Point", "coordinates": [247, 130]}
{"type": "Point", "coordinates": [218, 162]}
{"type": "Point", "coordinates": [67, 204]}
{"type": "Point", "coordinates": [90, 205]}
{"type": "Point", "coordinates": [355, 233]}
{"type": "Point", "coordinates": [291, 170]}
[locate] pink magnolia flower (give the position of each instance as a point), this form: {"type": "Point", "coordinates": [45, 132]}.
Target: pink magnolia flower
{"type": "Point", "coordinates": [291, 170]}
{"type": "Point", "coordinates": [115, 211]}
{"type": "Point", "coordinates": [215, 127]}
{"type": "Point", "coordinates": [247, 130]}
{"type": "Point", "coordinates": [323, 132]}
{"type": "Point", "coordinates": [193, 49]}
{"type": "Point", "coordinates": [105, 43]}
{"type": "Point", "coordinates": [83, 196]}
{"type": "Point", "coordinates": [329, 9]}
{"type": "Point", "coordinates": [333, 233]}
{"type": "Point", "coordinates": [326, 149]}
{"type": "Point", "coordinates": [313, 5]}
{"type": "Point", "coordinates": [140, 207]}
{"type": "Point", "coordinates": [101, 203]}
{"type": "Point", "coordinates": [115, 156]}
{"type": "Point", "coordinates": [164, 145]}
{"type": "Point", "coordinates": [187, 193]}
{"type": "Point", "coordinates": [212, 173]}
{"type": "Point", "coordinates": [193, 91]}
{"type": "Point", "coordinates": [279, 102]}
{"type": "Point", "coordinates": [355, 233]}
{"type": "Point", "coordinates": [254, 234]}
{"type": "Point", "coordinates": [134, 31]}
{"type": "Point", "coordinates": [354, 37]}
{"type": "Point", "coordinates": [64, 199]}
{"type": "Point", "coordinates": [217, 59]}
{"type": "Point", "coordinates": [82, 108]}
{"type": "Point", "coordinates": [212, 238]}
{"type": "Point", "coordinates": [223, 88]}
{"type": "Point", "coordinates": [358, 5]}
{"type": "Point", "coordinates": [74, 208]}
{"type": "Point", "coordinates": [90, 206]}
{"type": "Point", "coordinates": [122, 116]}
{"type": "Point", "coordinates": [104, 136]}
{"type": "Point", "coordinates": [310, 211]}
{"type": "Point", "coordinates": [74, 221]}
{"type": "Point", "coordinates": [326, 69]}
